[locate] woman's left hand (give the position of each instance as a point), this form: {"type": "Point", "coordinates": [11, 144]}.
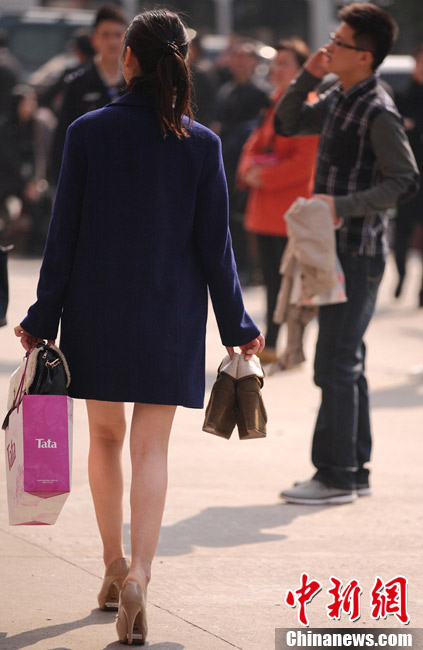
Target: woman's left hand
{"type": "Point", "coordinates": [249, 349]}
{"type": "Point", "coordinates": [28, 341]}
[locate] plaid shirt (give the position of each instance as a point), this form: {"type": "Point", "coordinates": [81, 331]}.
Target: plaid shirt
{"type": "Point", "coordinates": [347, 163]}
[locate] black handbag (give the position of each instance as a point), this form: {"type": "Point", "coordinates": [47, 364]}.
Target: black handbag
{"type": "Point", "coordinates": [4, 284]}
{"type": "Point", "coordinates": [43, 372]}
{"type": "Point", "coordinates": [50, 373]}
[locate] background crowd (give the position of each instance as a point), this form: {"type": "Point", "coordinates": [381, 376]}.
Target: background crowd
{"type": "Point", "coordinates": [265, 172]}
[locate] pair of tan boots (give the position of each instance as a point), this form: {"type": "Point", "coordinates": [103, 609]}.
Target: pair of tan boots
{"type": "Point", "coordinates": [236, 399]}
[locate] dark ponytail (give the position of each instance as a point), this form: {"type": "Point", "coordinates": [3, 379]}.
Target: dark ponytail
{"type": "Point", "coordinates": [159, 41]}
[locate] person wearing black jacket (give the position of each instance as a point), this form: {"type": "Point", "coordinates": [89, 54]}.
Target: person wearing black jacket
{"type": "Point", "coordinates": [83, 52]}
{"type": "Point", "coordinates": [204, 83]}
{"type": "Point", "coordinates": [24, 143]}
{"type": "Point", "coordinates": [410, 214]}
{"type": "Point", "coordinates": [238, 106]}
{"type": "Point", "coordinates": [96, 84]}
{"type": "Point", "coordinates": [10, 74]}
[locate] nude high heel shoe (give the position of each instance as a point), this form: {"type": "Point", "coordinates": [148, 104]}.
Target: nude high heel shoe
{"type": "Point", "coordinates": [131, 622]}
{"type": "Point", "coordinates": [116, 572]}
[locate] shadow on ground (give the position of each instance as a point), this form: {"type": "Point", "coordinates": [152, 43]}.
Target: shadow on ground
{"type": "Point", "coordinates": [163, 645]}
{"type": "Point", "coordinates": [405, 395]}
{"type": "Point", "coordinates": [226, 527]}
{"type": "Point", "coordinates": [31, 637]}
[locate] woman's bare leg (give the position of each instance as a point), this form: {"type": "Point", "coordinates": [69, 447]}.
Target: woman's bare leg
{"type": "Point", "coordinates": [107, 432]}
{"type": "Point", "coordinates": [150, 430]}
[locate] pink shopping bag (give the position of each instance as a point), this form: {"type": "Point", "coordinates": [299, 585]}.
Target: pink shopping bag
{"type": "Point", "coordinates": [39, 458]}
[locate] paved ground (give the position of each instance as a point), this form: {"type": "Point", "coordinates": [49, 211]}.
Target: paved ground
{"type": "Point", "coordinates": [229, 548]}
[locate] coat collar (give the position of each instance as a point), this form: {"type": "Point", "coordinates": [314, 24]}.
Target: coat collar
{"type": "Point", "coordinates": [135, 98]}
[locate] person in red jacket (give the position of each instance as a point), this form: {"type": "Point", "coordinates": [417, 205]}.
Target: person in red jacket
{"type": "Point", "coordinates": [276, 170]}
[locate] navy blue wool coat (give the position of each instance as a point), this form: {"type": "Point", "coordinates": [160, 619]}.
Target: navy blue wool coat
{"type": "Point", "coordinates": [139, 231]}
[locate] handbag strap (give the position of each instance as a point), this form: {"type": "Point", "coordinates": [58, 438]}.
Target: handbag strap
{"type": "Point", "coordinates": [18, 396]}
{"type": "Point", "coordinates": [19, 392]}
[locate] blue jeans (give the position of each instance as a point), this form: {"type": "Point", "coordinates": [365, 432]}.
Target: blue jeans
{"type": "Point", "coordinates": [342, 437]}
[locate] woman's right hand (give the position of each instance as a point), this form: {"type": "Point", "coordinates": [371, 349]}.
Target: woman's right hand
{"type": "Point", "coordinates": [28, 341]}
{"type": "Point", "coordinates": [253, 347]}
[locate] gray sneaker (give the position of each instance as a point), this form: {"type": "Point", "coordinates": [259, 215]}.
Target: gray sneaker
{"type": "Point", "coordinates": [317, 493]}
{"type": "Point", "coordinates": [362, 489]}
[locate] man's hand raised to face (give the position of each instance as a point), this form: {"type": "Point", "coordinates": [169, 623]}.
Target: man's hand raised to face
{"type": "Point", "coordinates": [317, 63]}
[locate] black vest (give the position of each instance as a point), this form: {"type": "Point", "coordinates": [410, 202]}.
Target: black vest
{"type": "Point", "coordinates": [346, 162]}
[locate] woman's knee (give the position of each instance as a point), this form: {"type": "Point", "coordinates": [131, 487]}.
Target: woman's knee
{"type": "Point", "coordinates": [150, 429]}
{"type": "Point", "coordinates": [106, 420]}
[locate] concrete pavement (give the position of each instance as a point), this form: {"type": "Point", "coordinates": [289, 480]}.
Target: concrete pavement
{"type": "Point", "coordinates": [229, 549]}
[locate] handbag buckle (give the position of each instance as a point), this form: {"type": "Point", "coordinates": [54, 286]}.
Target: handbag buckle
{"type": "Point", "coordinates": [53, 364]}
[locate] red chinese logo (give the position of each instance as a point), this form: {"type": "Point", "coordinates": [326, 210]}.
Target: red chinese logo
{"type": "Point", "coordinates": [305, 595]}
{"type": "Point", "coordinates": [390, 598]}
{"type": "Point", "coordinates": [346, 600]}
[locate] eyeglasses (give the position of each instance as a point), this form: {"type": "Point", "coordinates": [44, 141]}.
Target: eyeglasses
{"type": "Point", "coordinates": [335, 40]}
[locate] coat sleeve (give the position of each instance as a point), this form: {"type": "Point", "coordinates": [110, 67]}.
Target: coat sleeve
{"type": "Point", "coordinates": [293, 114]}
{"type": "Point", "coordinates": [398, 173]}
{"type": "Point", "coordinates": [44, 315]}
{"type": "Point", "coordinates": [214, 244]}
{"type": "Point", "coordinates": [296, 165]}
{"type": "Point", "coordinates": [297, 157]}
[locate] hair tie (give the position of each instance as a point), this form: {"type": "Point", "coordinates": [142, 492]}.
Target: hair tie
{"type": "Point", "coordinates": [169, 47]}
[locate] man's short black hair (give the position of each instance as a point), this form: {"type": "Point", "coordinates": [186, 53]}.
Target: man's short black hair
{"type": "Point", "coordinates": [110, 12]}
{"type": "Point", "coordinates": [374, 29]}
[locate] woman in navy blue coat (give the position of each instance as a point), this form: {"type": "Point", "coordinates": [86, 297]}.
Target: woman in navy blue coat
{"type": "Point", "coordinates": [139, 232]}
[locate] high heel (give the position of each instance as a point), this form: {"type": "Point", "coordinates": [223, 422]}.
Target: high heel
{"type": "Point", "coordinates": [131, 622]}
{"type": "Point", "coordinates": [116, 572]}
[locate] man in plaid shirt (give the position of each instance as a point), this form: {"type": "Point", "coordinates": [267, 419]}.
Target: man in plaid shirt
{"type": "Point", "coordinates": [365, 166]}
